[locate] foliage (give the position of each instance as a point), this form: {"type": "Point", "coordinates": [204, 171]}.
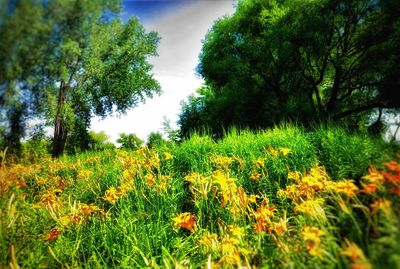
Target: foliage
{"type": "Point", "coordinates": [129, 141]}
{"type": "Point", "coordinates": [69, 60]}
{"type": "Point", "coordinates": [100, 141]}
{"type": "Point", "coordinates": [155, 140]}
{"type": "Point", "coordinates": [301, 61]}
{"type": "Point", "coordinates": [249, 200]}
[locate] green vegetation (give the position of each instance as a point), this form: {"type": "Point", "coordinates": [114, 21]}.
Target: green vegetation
{"type": "Point", "coordinates": [301, 179]}
{"type": "Point", "coordinates": [65, 61]}
{"type": "Point", "coordinates": [275, 61]}
{"type": "Point", "coordinates": [250, 199]}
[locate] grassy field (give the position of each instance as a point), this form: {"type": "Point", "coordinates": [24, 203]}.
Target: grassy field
{"type": "Point", "coordinates": [283, 198]}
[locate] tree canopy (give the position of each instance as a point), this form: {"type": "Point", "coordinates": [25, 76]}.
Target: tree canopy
{"type": "Point", "coordinates": [67, 60]}
{"type": "Point", "coordinates": [303, 61]}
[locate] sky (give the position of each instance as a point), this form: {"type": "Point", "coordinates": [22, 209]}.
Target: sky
{"type": "Point", "coordinates": [182, 25]}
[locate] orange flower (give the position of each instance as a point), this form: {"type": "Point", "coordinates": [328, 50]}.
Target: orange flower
{"type": "Point", "coordinates": [53, 235]}
{"type": "Point", "coordinates": [393, 166]}
{"type": "Point", "coordinates": [356, 255]}
{"type": "Point", "coordinates": [392, 178]}
{"type": "Point", "coordinates": [255, 176]}
{"type": "Point", "coordinates": [185, 220]}
{"type": "Point", "coordinates": [369, 188]}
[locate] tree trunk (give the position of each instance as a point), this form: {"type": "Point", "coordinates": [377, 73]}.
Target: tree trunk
{"type": "Point", "coordinates": [60, 126]}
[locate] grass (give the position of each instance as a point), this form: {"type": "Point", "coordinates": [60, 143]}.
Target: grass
{"type": "Point", "coordinates": [278, 198]}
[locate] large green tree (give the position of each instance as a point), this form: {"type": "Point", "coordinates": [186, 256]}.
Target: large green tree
{"type": "Point", "coordinates": [305, 61]}
{"type": "Point", "coordinates": [89, 63]}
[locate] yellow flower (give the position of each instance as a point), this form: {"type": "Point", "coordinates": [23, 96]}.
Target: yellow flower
{"type": "Point", "coordinates": [294, 175]}
{"type": "Point", "coordinates": [222, 161]}
{"type": "Point", "coordinates": [235, 231]}
{"type": "Point", "coordinates": [285, 151]}
{"type": "Point", "coordinates": [312, 237]}
{"type": "Point", "coordinates": [84, 174]}
{"type": "Point", "coordinates": [259, 162]}
{"type": "Point", "coordinates": [381, 204]}
{"type": "Point", "coordinates": [374, 176]}
{"type": "Point", "coordinates": [111, 195]}
{"type": "Point", "coordinates": [273, 152]}
{"type": "Point", "coordinates": [209, 240]}
{"type": "Point", "coordinates": [312, 233]}
{"type": "Point", "coordinates": [124, 188]}
{"type": "Point", "coordinates": [253, 198]}
{"type": "Point", "coordinates": [127, 175]}
{"type": "Point", "coordinates": [347, 187]}
{"type": "Point", "coordinates": [311, 208]}
{"type": "Point", "coordinates": [150, 179]}
{"type": "Point", "coordinates": [168, 156]}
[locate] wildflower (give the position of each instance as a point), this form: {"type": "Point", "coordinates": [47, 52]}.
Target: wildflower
{"type": "Point", "coordinates": [373, 176]}
{"type": "Point", "coordinates": [222, 161]}
{"type": "Point", "coordinates": [273, 152]}
{"type": "Point", "coordinates": [285, 151]}
{"type": "Point", "coordinates": [253, 198]}
{"type": "Point", "coordinates": [209, 240]}
{"type": "Point", "coordinates": [312, 207]}
{"type": "Point", "coordinates": [127, 175]}
{"type": "Point", "coordinates": [259, 162]}
{"type": "Point", "coordinates": [230, 252]}
{"type": "Point", "coordinates": [193, 177]}
{"type": "Point", "coordinates": [356, 255]}
{"type": "Point", "coordinates": [312, 237]}
{"type": "Point", "coordinates": [351, 250]}
{"type": "Point", "coordinates": [369, 188]}
{"type": "Point", "coordinates": [392, 178]}
{"type": "Point", "coordinates": [347, 187]}
{"type": "Point", "coordinates": [168, 156]}
{"type": "Point", "coordinates": [279, 227]}
{"type": "Point", "coordinates": [294, 175]}
{"type": "Point", "coordinates": [381, 204]}
{"type": "Point", "coordinates": [53, 235]}
{"type": "Point", "coordinates": [84, 174]}
{"type": "Point", "coordinates": [255, 176]}
{"type": "Point", "coordinates": [65, 220]}
{"type": "Point", "coordinates": [150, 179]}
{"type": "Point", "coordinates": [111, 195]}
{"type": "Point", "coordinates": [185, 220]}
{"type": "Point", "coordinates": [124, 188]}
{"type": "Point", "coordinates": [393, 166]}
{"type": "Point", "coordinates": [88, 209]}
{"type": "Point", "coordinates": [236, 232]}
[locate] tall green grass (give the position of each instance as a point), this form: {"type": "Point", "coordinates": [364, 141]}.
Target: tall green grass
{"type": "Point", "coordinates": [137, 231]}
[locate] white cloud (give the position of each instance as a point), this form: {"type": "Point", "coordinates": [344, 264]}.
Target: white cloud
{"type": "Point", "coordinates": [182, 32]}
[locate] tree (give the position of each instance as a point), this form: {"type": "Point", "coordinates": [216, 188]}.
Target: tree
{"type": "Point", "coordinates": [155, 140]}
{"type": "Point", "coordinates": [91, 63]}
{"type": "Point", "coordinates": [99, 141]}
{"type": "Point", "coordinates": [304, 61]}
{"type": "Point", "coordinates": [129, 141]}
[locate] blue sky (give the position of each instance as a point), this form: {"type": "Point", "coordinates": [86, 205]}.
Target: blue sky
{"type": "Point", "coordinates": [148, 10]}
{"type": "Point", "coordinates": [182, 25]}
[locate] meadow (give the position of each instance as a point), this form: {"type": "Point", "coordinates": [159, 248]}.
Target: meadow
{"type": "Point", "coordinates": [282, 198]}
